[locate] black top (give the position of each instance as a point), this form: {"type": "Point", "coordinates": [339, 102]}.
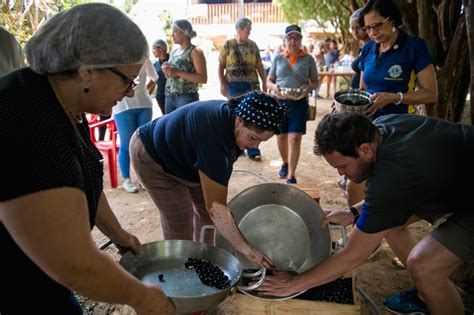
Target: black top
{"type": "Point", "coordinates": [422, 168]}
{"type": "Point", "coordinates": [161, 83]}
{"type": "Point", "coordinates": [44, 151]}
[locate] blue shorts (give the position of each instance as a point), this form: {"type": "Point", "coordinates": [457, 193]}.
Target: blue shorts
{"type": "Point", "coordinates": [295, 120]}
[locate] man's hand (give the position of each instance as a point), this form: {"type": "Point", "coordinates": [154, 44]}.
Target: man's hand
{"type": "Point", "coordinates": [279, 284]}
{"type": "Point", "coordinates": [341, 217]}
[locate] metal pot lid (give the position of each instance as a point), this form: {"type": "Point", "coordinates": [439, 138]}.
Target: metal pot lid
{"type": "Point", "coordinates": [284, 223]}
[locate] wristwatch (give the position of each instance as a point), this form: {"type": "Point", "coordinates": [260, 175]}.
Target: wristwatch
{"type": "Point", "coordinates": [355, 213]}
{"type": "Point", "coordinates": [400, 94]}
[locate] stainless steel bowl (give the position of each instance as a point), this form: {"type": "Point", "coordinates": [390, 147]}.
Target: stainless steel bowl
{"type": "Point", "coordinates": [355, 101]}
{"type": "Point", "coordinates": [293, 93]}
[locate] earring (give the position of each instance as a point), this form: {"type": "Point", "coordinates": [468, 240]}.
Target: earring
{"type": "Point", "coordinates": [86, 89]}
{"type": "Point", "coordinates": [394, 29]}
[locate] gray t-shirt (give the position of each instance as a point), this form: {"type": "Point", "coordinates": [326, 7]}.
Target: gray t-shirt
{"type": "Point", "coordinates": [423, 168]}
{"type": "Point", "coordinates": [294, 76]}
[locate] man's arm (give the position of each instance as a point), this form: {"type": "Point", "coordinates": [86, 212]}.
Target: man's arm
{"type": "Point", "coordinates": [215, 196]}
{"type": "Point", "coordinates": [356, 252]}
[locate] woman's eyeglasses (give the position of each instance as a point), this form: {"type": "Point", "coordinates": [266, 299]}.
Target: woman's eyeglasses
{"type": "Point", "coordinates": [374, 27]}
{"type": "Point", "coordinates": [131, 83]}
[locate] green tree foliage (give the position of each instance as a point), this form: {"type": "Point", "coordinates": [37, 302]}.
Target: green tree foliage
{"type": "Point", "coordinates": [441, 23]}
{"type": "Point", "coordinates": [335, 13]}
{"type": "Point", "coordinates": [23, 17]}
{"type": "Point", "coordinates": [167, 19]}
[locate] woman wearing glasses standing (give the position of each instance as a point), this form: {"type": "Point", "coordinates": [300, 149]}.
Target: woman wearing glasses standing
{"type": "Point", "coordinates": [390, 64]}
{"type": "Point", "coordinates": [56, 195]}
{"type": "Point", "coordinates": [294, 68]}
{"type": "Point", "coordinates": [391, 60]}
{"type": "Point", "coordinates": [185, 69]}
{"type": "Point", "coordinates": [129, 114]}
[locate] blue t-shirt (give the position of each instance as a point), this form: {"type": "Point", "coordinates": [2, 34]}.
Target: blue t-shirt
{"type": "Point", "coordinates": [331, 56]}
{"type": "Point", "coordinates": [392, 70]}
{"type": "Point", "coordinates": [422, 169]}
{"type": "Point", "coordinates": [197, 136]}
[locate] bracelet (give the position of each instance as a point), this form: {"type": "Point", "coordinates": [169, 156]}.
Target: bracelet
{"type": "Point", "coordinates": [355, 213]}
{"type": "Point", "coordinates": [400, 94]}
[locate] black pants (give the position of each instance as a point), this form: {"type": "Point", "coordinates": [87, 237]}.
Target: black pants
{"type": "Point", "coordinates": [160, 98]}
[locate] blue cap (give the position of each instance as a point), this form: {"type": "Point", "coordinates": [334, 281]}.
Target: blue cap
{"type": "Point", "coordinates": [293, 28]}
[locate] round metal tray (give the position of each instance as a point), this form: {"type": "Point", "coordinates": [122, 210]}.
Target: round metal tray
{"type": "Point", "coordinates": [284, 223]}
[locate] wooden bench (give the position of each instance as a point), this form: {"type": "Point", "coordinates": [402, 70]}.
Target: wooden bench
{"type": "Point", "coordinates": [311, 189]}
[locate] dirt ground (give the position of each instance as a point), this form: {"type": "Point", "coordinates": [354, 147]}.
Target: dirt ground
{"type": "Point", "coordinates": [379, 277]}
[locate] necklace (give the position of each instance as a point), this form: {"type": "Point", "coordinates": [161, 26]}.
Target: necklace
{"type": "Point", "coordinates": [74, 117]}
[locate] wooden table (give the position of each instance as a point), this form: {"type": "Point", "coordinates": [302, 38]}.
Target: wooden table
{"type": "Point", "coordinates": [334, 74]}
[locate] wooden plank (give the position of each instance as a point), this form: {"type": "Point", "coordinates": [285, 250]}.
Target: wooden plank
{"type": "Point", "coordinates": [311, 189]}
{"type": "Point", "coordinates": [248, 305]}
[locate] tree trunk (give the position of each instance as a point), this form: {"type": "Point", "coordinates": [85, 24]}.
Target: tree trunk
{"type": "Point", "coordinates": [427, 28]}
{"type": "Point", "coordinates": [453, 80]}
{"type": "Point", "coordinates": [470, 37]}
{"type": "Point", "coordinates": [409, 16]}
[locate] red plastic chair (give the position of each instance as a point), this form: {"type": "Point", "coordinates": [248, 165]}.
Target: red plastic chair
{"type": "Point", "coordinates": [108, 146]}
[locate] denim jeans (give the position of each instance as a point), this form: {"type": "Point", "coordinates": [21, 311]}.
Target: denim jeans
{"type": "Point", "coordinates": [174, 101]}
{"type": "Point", "coordinates": [235, 89]}
{"type": "Point", "coordinates": [127, 122]}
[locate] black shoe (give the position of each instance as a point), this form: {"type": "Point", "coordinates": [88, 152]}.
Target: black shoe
{"type": "Point", "coordinates": [254, 154]}
{"type": "Point", "coordinates": [291, 180]}
{"type": "Point", "coordinates": [283, 170]}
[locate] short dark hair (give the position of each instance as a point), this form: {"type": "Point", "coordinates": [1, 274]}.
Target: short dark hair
{"type": "Point", "coordinates": [344, 133]}
{"type": "Point", "coordinates": [386, 8]}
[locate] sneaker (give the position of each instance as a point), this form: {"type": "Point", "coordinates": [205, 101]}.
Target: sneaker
{"type": "Point", "coordinates": [405, 303]}
{"type": "Point", "coordinates": [129, 187]}
{"type": "Point", "coordinates": [291, 180]}
{"type": "Point", "coordinates": [283, 170]}
{"type": "Point", "coordinates": [254, 154]}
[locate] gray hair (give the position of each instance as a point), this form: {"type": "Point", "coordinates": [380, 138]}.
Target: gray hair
{"type": "Point", "coordinates": [355, 15]}
{"type": "Point", "coordinates": [90, 36]}
{"type": "Point", "coordinates": [242, 23]}
{"type": "Point", "coordinates": [160, 43]}
{"type": "Point", "coordinates": [186, 27]}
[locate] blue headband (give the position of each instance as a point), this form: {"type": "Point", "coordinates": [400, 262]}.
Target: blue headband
{"type": "Point", "coordinates": [261, 109]}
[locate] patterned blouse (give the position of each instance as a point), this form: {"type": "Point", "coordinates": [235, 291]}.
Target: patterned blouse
{"type": "Point", "coordinates": [240, 61]}
{"type": "Point", "coordinates": [181, 62]}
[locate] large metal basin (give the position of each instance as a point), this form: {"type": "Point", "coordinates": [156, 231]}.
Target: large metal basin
{"type": "Point", "coordinates": [182, 285]}
{"type": "Point", "coordinates": [284, 223]}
